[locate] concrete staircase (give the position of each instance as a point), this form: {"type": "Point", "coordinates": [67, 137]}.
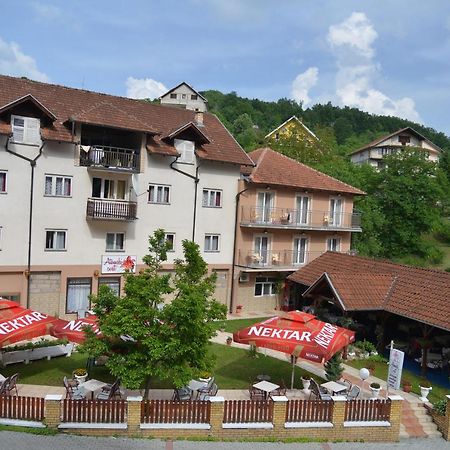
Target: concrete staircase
{"type": "Point", "coordinates": [417, 423]}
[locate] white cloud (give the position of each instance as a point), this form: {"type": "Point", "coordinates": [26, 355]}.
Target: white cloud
{"type": "Point", "coordinates": [303, 83]}
{"type": "Point", "coordinates": [14, 62]}
{"type": "Point", "coordinates": [47, 12]}
{"type": "Point", "coordinates": [352, 43]}
{"type": "Point", "coordinates": [144, 88]}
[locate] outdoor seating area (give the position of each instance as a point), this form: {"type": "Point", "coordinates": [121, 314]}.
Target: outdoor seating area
{"type": "Point", "coordinates": [201, 389]}
{"type": "Point", "coordinates": [90, 389]}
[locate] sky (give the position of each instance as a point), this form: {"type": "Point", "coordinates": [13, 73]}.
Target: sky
{"type": "Point", "coordinates": [383, 56]}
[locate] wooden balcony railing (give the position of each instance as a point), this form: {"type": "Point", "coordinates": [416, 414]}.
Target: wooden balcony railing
{"type": "Point", "coordinates": [114, 158]}
{"type": "Point", "coordinates": [101, 208]}
{"type": "Point", "coordinates": [299, 219]}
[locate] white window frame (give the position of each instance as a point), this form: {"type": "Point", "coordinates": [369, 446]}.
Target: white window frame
{"type": "Point", "coordinates": [338, 243]}
{"type": "Point", "coordinates": [106, 281]}
{"type": "Point", "coordinates": [209, 240]}
{"type": "Point", "coordinates": [334, 215]}
{"type": "Point", "coordinates": [186, 149]}
{"type": "Point", "coordinates": [53, 185]}
{"type": "Point", "coordinates": [112, 193]}
{"type": "Point", "coordinates": [299, 217]}
{"type": "Point", "coordinates": [173, 95]}
{"type": "Point", "coordinates": [211, 194]}
{"type": "Point", "coordinates": [271, 284]}
{"type": "Point", "coordinates": [295, 253]}
{"type": "Point", "coordinates": [173, 240]}
{"type": "Point", "coordinates": [55, 233]}
{"type": "Point", "coordinates": [114, 248]}
{"type": "Point", "coordinates": [30, 130]}
{"type": "Point", "coordinates": [68, 284]}
{"type": "Point", "coordinates": [154, 198]}
{"type": "Point", "coordinates": [5, 173]}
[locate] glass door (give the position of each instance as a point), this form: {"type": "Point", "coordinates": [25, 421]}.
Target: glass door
{"type": "Point", "coordinates": [300, 245]}
{"type": "Point", "coordinates": [262, 250]}
{"type": "Point", "coordinates": [302, 210]}
{"type": "Point", "coordinates": [336, 211]}
{"type": "Point", "coordinates": [265, 206]}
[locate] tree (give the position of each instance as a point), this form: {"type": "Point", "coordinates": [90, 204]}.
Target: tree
{"type": "Point", "coordinates": [334, 368]}
{"type": "Point", "coordinates": [144, 340]}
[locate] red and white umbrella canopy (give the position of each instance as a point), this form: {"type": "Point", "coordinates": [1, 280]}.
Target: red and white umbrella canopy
{"type": "Point", "coordinates": [18, 323]}
{"type": "Point", "coordinates": [73, 330]}
{"type": "Point", "coordinates": [297, 333]}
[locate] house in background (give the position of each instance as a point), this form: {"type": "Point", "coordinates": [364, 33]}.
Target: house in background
{"type": "Point", "coordinates": [293, 127]}
{"type": "Point", "coordinates": [374, 152]}
{"type": "Point", "coordinates": [184, 96]}
{"type": "Point", "coordinates": [288, 214]}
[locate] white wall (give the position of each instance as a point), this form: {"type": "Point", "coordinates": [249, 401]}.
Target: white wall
{"type": "Point", "coordinates": [198, 104]}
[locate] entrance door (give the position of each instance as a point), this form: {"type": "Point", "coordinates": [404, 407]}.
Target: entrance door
{"type": "Point", "coordinates": [265, 205]}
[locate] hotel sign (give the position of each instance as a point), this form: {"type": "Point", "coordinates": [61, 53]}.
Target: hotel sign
{"type": "Point", "coordinates": [118, 264]}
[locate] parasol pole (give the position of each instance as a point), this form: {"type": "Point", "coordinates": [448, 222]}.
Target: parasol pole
{"type": "Point", "coordinates": [294, 360]}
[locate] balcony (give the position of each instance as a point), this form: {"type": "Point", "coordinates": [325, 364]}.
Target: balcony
{"type": "Point", "coordinates": [281, 260]}
{"type": "Point", "coordinates": [110, 158]}
{"type": "Point", "coordinates": [287, 218]}
{"type": "Point", "coordinates": [105, 209]}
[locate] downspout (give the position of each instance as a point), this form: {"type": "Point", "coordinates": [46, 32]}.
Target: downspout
{"type": "Point", "coordinates": [30, 222]}
{"type": "Point", "coordinates": [196, 180]}
{"type": "Point", "coordinates": [233, 263]}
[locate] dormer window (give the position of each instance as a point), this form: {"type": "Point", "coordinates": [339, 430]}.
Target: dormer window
{"type": "Point", "coordinates": [186, 151]}
{"type": "Point", "coordinates": [26, 130]}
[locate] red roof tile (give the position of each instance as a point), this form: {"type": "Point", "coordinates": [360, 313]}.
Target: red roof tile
{"type": "Point", "coordinates": [119, 112]}
{"type": "Point", "coordinates": [416, 293]}
{"type": "Point", "coordinates": [273, 168]}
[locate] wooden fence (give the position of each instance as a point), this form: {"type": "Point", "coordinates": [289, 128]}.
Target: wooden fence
{"type": "Point", "coordinates": [367, 410]}
{"type": "Point", "coordinates": [309, 411]}
{"type": "Point", "coordinates": [22, 408]}
{"type": "Point", "coordinates": [167, 411]}
{"type": "Point", "coordinates": [245, 411]}
{"type": "Point", "coordinates": [94, 411]}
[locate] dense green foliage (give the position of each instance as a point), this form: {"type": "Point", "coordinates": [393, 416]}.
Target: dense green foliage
{"type": "Point", "coordinates": [144, 338]}
{"type": "Point", "coordinates": [334, 368]}
{"type": "Point", "coordinates": [405, 203]}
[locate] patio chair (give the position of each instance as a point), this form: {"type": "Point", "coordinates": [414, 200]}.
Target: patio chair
{"type": "Point", "coordinates": [4, 385]}
{"type": "Point", "coordinates": [182, 394]}
{"type": "Point", "coordinates": [318, 392]}
{"type": "Point", "coordinates": [353, 393]}
{"type": "Point", "coordinates": [348, 384]}
{"type": "Point", "coordinates": [10, 385]}
{"type": "Point", "coordinates": [73, 393]}
{"type": "Point", "coordinates": [110, 391]}
{"type": "Point", "coordinates": [256, 394]}
{"type": "Point", "coordinates": [207, 388]}
{"type": "Point", "coordinates": [212, 393]}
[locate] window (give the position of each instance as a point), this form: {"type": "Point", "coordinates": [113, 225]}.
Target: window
{"type": "Point", "coordinates": [111, 282]}
{"type": "Point", "coordinates": [112, 189]}
{"type": "Point", "coordinates": [173, 95]}
{"type": "Point", "coordinates": [58, 186]}
{"type": "Point", "coordinates": [336, 208]}
{"type": "Point", "coordinates": [170, 238]}
{"type": "Point", "coordinates": [404, 139]}
{"type": "Point", "coordinates": [55, 240]}
{"type": "Point", "coordinates": [26, 130]}
{"type": "Point", "coordinates": [3, 184]}
{"type": "Point", "coordinates": [13, 297]}
{"type": "Point", "coordinates": [212, 198]}
{"type": "Point", "coordinates": [194, 96]}
{"type": "Point", "coordinates": [115, 242]}
{"type": "Point", "coordinates": [183, 96]}
{"type": "Point", "coordinates": [265, 286]}
{"type": "Point", "coordinates": [334, 244]}
{"type": "Point", "coordinates": [186, 151]}
{"type": "Point", "coordinates": [300, 248]}
{"type": "Point", "coordinates": [212, 242]}
{"type": "Point", "coordinates": [159, 193]}
{"type": "Point", "coordinates": [78, 291]}
{"type": "Point", "coordinates": [303, 211]}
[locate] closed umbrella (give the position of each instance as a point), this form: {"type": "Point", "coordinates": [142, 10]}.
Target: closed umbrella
{"type": "Point", "coordinates": [19, 324]}
{"type": "Point", "coordinates": [299, 334]}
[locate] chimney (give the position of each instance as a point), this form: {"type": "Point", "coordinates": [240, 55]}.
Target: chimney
{"type": "Point", "coordinates": [199, 118]}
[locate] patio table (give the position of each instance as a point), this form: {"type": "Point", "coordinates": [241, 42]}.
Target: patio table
{"type": "Point", "coordinates": [334, 387]}
{"type": "Point", "coordinates": [266, 386]}
{"type": "Point", "coordinates": [92, 386]}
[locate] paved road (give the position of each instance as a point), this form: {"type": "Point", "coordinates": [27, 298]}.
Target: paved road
{"type": "Point", "coordinates": [21, 441]}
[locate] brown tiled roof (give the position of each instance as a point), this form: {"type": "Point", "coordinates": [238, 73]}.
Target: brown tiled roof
{"type": "Point", "coordinates": [388, 136]}
{"type": "Point", "coordinates": [119, 112]}
{"type": "Point", "coordinates": [416, 293]}
{"type": "Point", "coordinates": [273, 168]}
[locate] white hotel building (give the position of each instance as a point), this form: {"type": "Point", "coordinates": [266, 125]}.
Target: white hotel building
{"type": "Point", "coordinates": [85, 178]}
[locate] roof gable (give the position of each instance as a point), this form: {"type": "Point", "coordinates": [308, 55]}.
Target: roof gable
{"type": "Point", "coordinates": [28, 98]}
{"type": "Point", "coordinates": [183, 83]}
{"type": "Point", "coordinates": [298, 122]}
{"type": "Point", "coordinates": [189, 127]}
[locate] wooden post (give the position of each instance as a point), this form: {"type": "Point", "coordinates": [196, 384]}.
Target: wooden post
{"type": "Point", "coordinates": [53, 410]}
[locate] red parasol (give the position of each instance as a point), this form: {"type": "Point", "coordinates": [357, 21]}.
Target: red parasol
{"type": "Point", "coordinates": [74, 329]}
{"type": "Point", "coordinates": [299, 334]}
{"type": "Point", "coordinates": [18, 323]}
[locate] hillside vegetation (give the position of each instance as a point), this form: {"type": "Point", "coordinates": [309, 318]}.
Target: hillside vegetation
{"type": "Point", "coordinates": [406, 204]}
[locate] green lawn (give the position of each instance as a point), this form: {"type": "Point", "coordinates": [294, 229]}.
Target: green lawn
{"type": "Point", "coordinates": [381, 371]}
{"type": "Point", "coordinates": [233, 369]}
{"type": "Point", "coordinates": [233, 325]}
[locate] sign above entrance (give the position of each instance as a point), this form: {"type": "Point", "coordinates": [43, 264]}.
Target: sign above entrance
{"type": "Point", "coordinates": [118, 263]}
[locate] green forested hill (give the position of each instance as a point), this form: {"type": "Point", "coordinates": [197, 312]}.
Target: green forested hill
{"type": "Point", "coordinates": [346, 128]}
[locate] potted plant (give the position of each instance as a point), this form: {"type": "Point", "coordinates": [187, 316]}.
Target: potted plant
{"type": "Point", "coordinates": [80, 375]}
{"type": "Point", "coordinates": [375, 388]}
{"type": "Point", "coordinates": [425, 388]}
{"type": "Point", "coordinates": [407, 386]}
{"type": "Point", "coordinates": [306, 381]}
{"type": "Point", "coordinates": [229, 340]}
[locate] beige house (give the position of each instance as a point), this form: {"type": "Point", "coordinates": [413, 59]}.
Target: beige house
{"type": "Point", "coordinates": [86, 177]}
{"type": "Point", "coordinates": [184, 96]}
{"type": "Point", "coordinates": [292, 127]}
{"type": "Point", "coordinates": [374, 152]}
{"type": "Point", "coordinates": [287, 215]}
